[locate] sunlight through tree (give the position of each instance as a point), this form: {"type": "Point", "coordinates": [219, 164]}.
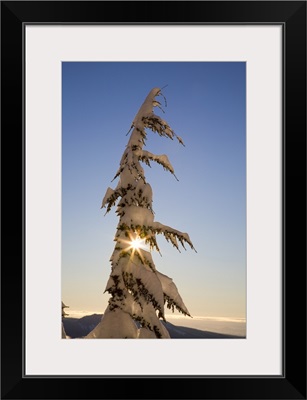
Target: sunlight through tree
{"type": "Point", "coordinates": [139, 293]}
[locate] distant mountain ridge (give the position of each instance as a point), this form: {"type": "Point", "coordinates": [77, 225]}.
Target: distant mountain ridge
{"type": "Point", "coordinates": [80, 327]}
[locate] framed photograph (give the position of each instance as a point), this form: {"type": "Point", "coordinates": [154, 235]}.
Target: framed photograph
{"type": "Point", "coordinates": [227, 80]}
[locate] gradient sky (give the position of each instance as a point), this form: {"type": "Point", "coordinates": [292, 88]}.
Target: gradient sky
{"type": "Point", "coordinates": [206, 107]}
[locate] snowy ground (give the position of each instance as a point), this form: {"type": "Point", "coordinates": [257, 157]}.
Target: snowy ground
{"type": "Point", "coordinates": [179, 327]}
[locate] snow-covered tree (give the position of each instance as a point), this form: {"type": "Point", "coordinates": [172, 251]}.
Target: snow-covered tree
{"type": "Point", "coordinates": [64, 336]}
{"type": "Point", "coordinates": [138, 291]}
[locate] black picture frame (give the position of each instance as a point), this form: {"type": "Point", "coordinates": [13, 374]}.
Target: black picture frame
{"type": "Point", "coordinates": [292, 383]}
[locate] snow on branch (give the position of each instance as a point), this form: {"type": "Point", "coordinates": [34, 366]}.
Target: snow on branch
{"type": "Point", "coordinates": [172, 234]}
{"type": "Point", "coordinates": [111, 196]}
{"type": "Point", "coordinates": [145, 314]}
{"type": "Point", "coordinates": [116, 324]}
{"type": "Point", "coordinates": [171, 294]}
{"type": "Point", "coordinates": [147, 107]}
{"type": "Point", "coordinates": [145, 156]}
{"type": "Point", "coordinates": [146, 118]}
{"type": "Point", "coordinates": [143, 282]}
{"type": "Point", "coordinates": [158, 125]}
{"type": "Point", "coordinates": [162, 159]}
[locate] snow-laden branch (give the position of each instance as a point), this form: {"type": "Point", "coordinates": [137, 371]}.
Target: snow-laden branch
{"type": "Point", "coordinates": [145, 118]}
{"type": "Point", "coordinates": [171, 294]}
{"type": "Point", "coordinates": [146, 109]}
{"type": "Point", "coordinates": [116, 324]}
{"type": "Point", "coordinates": [172, 234]}
{"type": "Point", "coordinates": [162, 159]}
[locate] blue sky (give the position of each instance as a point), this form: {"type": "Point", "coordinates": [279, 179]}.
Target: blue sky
{"type": "Point", "coordinates": [206, 107]}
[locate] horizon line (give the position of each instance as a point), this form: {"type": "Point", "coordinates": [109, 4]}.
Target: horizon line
{"type": "Point", "coordinates": [81, 313]}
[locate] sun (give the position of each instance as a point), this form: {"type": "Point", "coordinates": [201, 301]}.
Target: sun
{"type": "Point", "coordinates": [136, 243]}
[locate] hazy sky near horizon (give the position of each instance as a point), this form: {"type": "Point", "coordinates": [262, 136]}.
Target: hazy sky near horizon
{"type": "Point", "coordinates": [206, 107]}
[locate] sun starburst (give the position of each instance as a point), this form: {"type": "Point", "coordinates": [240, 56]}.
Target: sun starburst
{"type": "Point", "coordinates": [137, 243]}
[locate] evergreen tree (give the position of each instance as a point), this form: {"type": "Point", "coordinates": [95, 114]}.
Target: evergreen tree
{"type": "Point", "coordinates": [63, 316]}
{"type": "Point", "coordinates": [138, 291]}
